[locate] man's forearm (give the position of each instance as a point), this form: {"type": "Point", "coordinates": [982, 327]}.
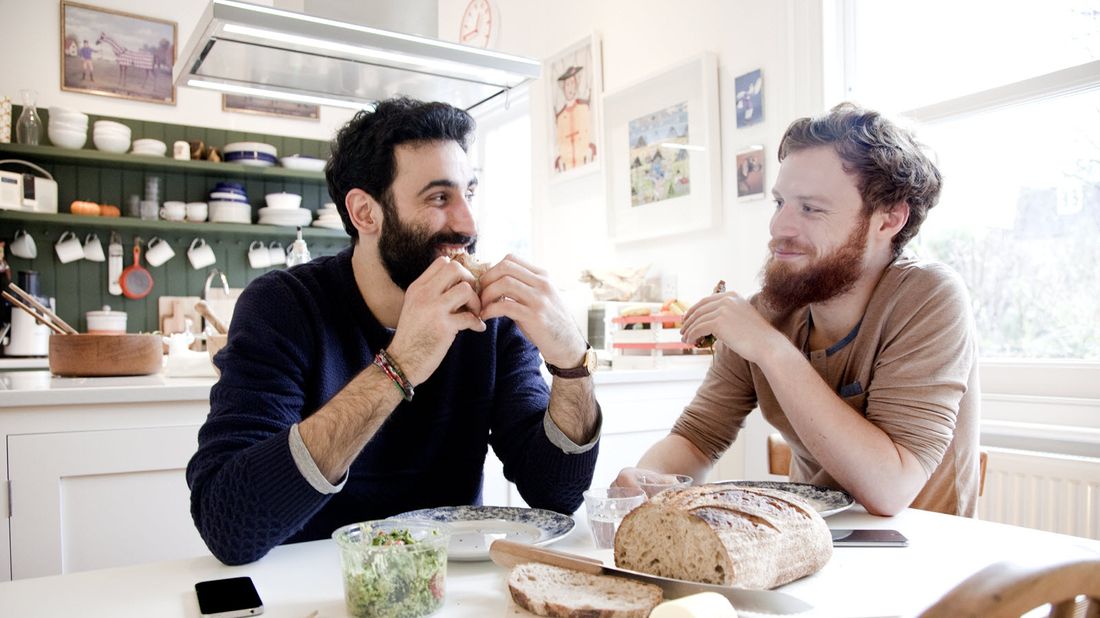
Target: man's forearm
{"type": "Point", "coordinates": [573, 408]}
{"type": "Point", "coordinates": [675, 454]}
{"type": "Point", "coordinates": [337, 433]}
{"type": "Point", "coordinates": [882, 475]}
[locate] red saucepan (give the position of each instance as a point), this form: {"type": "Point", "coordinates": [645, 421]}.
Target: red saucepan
{"type": "Point", "coordinates": [136, 282]}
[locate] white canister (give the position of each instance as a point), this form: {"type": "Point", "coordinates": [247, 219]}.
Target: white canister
{"type": "Point", "coordinates": [106, 322]}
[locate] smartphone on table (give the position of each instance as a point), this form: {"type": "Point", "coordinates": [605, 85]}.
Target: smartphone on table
{"type": "Point", "coordinates": [868, 538]}
{"type": "Point", "coordinates": [234, 597]}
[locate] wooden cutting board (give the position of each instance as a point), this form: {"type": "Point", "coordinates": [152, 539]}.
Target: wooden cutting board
{"type": "Point", "coordinates": [173, 312]}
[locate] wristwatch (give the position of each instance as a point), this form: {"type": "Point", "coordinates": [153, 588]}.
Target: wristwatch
{"type": "Point", "coordinates": [587, 368]}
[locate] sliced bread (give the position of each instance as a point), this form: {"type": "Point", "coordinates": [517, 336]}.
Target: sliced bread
{"type": "Point", "coordinates": [564, 593]}
{"type": "Point", "coordinates": [719, 534]}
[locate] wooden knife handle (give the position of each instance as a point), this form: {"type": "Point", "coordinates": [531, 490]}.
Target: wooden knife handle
{"type": "Point", "coordinates": [509, 554]}
{"type": "Point", "coordinates": [208, 313]}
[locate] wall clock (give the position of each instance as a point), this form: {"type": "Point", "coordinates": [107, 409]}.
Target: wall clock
{"type": "Point", "coordinates": [480, 24]}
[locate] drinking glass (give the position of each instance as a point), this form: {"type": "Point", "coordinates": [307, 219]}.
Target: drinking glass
{"type": "Point", "coordinates": [606, 508]}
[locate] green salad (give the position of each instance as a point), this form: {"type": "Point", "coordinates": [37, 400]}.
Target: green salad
{"type": "Point", "coordinates": [397, 583]}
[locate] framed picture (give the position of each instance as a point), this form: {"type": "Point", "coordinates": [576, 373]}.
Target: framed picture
{"type": "Point", "coordinates": [664, 173]}
{"type": "Point", "coordinates": [749, 90]}
{"type": "Point", "coordinates": [271, 107]}
{"type": "Point", "coordinates": [750, 173]}
{"type": "Point", "coordinates": [117, 54]}
{"type": "Point", "coordinates": [575, 81]}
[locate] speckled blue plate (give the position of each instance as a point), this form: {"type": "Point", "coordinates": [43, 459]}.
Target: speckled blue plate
{"type": "Point", "coordinates": [826, 500]}
{"type": "Point", "coordinates": [474, 528]}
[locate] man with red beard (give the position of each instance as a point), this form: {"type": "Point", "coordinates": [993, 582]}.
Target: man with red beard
{"type": "Point", "coordinates": [861, 355]}
{"type": "Point", "coordinates": [371, 383]}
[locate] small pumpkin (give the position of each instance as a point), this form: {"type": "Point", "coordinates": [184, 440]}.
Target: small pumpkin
{"type": "Point", "coordinates": [109, 210]}
{"type": "Point", "coordinates": [87, 209]}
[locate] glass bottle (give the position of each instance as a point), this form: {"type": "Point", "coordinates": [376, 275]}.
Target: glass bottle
{"type": "Point", "coordinates": [299, 253]}
{"type": "Point", "coordinates": [28, 130]}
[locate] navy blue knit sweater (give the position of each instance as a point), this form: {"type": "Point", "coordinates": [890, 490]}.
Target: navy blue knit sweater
{"type": "Point", "coordinates": [298, 337]}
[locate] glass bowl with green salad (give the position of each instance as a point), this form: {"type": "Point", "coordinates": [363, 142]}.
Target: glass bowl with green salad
{"type": "Point", "coordinates": [393, 567]}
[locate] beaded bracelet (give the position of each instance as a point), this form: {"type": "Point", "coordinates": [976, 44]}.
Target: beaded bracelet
{"type": "Point", "coordinates": [386, 362]}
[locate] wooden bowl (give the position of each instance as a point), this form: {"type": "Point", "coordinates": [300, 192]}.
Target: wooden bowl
{"type": "Point", "coordinates": [105, 355]}
{"type": "Point", "coordinates": [214, 343]}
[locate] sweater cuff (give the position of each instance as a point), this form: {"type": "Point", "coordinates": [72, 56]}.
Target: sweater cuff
{"type": "Point", "coordinates": [558, 438]}
{"type": "Point", "coordinates": [310, 472]}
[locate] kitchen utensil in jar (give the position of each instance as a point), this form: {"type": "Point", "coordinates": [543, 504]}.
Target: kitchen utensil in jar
{"type": "Point", "coordinates": [205, 311]}
{"type": "Point", "coordinates": [136, 282]}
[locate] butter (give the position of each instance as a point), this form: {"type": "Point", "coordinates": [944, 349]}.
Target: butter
{"type": "Point", "coordinates": [702, 605]}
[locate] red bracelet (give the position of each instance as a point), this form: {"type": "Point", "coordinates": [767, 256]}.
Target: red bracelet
{"type": "Point", "coordinates": [386, 362]}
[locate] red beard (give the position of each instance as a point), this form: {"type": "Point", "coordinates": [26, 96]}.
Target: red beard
{"type": "Point", "coordinates": [787, 287]}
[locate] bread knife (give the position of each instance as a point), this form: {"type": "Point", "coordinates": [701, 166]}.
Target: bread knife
{"type": "Point", "coordinates": [510, 553]}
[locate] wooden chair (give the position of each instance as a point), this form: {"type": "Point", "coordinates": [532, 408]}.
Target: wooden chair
{"type": "Point", "coordinates": [1014, 587]}
{"type": "Point", "coordinates": [779, 460]}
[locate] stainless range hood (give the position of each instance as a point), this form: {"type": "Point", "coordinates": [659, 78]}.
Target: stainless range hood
{"type": "Point", "coordinates": [242, 48]}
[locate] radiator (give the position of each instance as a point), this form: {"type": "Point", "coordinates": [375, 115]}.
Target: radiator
{"type": "Point", "coordinates": [1047, 491]}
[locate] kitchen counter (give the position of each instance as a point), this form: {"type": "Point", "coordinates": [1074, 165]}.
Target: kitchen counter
{"type": "Point", "coordinates": [40, 388]}
{"type": "Point", "coordinates": [34, 388]}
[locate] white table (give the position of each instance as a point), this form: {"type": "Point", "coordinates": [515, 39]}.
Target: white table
{"type": "Point", "coordinates": [296, 580]}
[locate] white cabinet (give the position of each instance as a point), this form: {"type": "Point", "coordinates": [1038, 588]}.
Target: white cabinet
{"type": "Point", "coordinates": [93, 471]}
{"type": "Point", "coordinates": [95, 499]}
{"type": "Point", "coordinates": [639, 408]}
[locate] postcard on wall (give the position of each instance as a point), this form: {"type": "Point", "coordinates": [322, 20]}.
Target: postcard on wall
{"type": "Point", "coordinates": [117, 54]}
{"type": "Point", "coordinates": [660, 162]}
{"type": "Point", "coordinates": [575, 82]}
{"type": "Point", "coordinates": [749, 90]}
{"type": "Point", "coordinates": [750, 173]}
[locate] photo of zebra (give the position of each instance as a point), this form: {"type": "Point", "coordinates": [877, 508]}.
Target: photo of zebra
{"type": "Point", "coordinates": [117, 54]}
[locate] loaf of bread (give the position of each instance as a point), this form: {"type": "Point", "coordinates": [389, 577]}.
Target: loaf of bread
{"type": "Point", "coordinates": [564, 593]}
{"type": "Point", "coordinates": [720, 534]}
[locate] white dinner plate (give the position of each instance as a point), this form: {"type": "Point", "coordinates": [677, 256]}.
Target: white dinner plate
{"type": "Point", "coordinates": [474, 528]}
{"type": "Point", "coordinates": [826, 500]}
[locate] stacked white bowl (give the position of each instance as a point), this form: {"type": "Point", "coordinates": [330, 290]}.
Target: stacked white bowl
{"type": "Point", "coordinates": [151, 147]}
{"type": "Point", "coordinates": [111, 136]}
{"type": "Point", "coordinates": [67, 128]}
{"type": "Point", "coordinates": [257, 154]}
{"type": "Point", "coordinates": [327, 216]}
{"type": "Point", "coordinates": [282, 209]}
{"type": "Point", "coordinates": [228, 203]}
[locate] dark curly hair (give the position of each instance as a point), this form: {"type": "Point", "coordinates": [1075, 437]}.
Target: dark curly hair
{"type": "Point", "coordinates": [887, 159]}
{"type": "Point", "coordinates": [363, 149]}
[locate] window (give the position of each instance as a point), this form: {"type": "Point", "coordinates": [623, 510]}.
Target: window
{"type": "Point", "coordinates": [1007, 95]}
{"type": "Point", "coordinates": [501, 155]}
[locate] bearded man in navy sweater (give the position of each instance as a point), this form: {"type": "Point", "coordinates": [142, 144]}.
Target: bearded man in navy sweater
{"type": "Point", "coordinates": [370, 383]}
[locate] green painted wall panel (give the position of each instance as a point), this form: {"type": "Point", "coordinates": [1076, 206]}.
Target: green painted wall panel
{"type": "Point", "coordinates": [81, 286]}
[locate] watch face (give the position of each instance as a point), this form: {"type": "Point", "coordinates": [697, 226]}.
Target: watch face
{"type": "Point", "coordinates": [478, 24]}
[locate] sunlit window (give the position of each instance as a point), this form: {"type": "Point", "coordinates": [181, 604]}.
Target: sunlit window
{"type": "Point", "coordinates": [1019, 216]}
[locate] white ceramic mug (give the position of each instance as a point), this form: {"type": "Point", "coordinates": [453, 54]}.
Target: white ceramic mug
{"type": "Point", "coordinates": [278, 254]}
{"type": "Point", "coordinates": [68, 248]}
{"type": "Point", "coordinates": [258, 255]}
{"type": "Point", "coordinates": [158, 251]}
{"type": "Point", "coordinates": [197, 211]}
{"type": "Point", "coordinates": [181, 151]}
{"type": "Point", "coordinates": [200, 254]}
{"type": "Point", "coordinates": [23, 245]}
{"type": "Point", "coordinates": [173, 211]}
{"type": "Point", "coordinates": [93, 249]}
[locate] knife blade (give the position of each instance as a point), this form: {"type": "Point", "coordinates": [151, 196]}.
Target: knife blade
{"type": "Point", "coordinates": [510, 553]}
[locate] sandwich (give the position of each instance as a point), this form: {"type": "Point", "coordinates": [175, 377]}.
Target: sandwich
{"type": "Point", "coordinates": [707, 341]}
{"type": "Point", "coordinates": [476, 268]}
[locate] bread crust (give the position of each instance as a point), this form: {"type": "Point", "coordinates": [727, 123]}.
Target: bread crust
{"type": "Point", "coordinates": [720, 534]}
{"type": "Point", "coordinates": [548, 590]}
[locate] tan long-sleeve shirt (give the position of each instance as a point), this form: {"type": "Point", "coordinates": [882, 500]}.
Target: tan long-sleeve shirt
{"type": "Point", "coordinates": [910, 367]}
